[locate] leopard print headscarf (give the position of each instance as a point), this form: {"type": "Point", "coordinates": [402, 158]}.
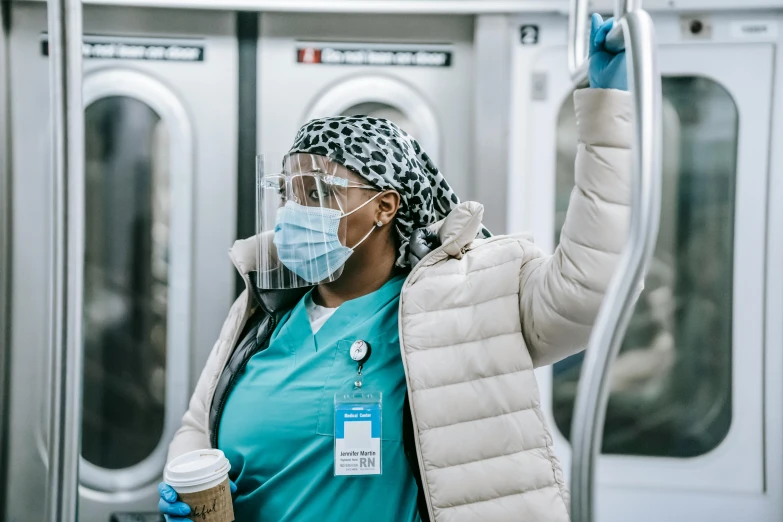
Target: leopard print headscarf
{"type": "Point", "coordinates": [388, 158]}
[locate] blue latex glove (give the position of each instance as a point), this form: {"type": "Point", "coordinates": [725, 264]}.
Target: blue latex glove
{"type": "Point", "coordinates": [607, 68]}
{"type": "Point", "coordinates": [177, 511]}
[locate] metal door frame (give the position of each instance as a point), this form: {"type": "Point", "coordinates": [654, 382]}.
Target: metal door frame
{"type": "Point", "coordinates": [5, 244]}
{"type": "Point", "coordinates": [212, 216]}
{"type": "Point", "coordinates": [67, 268]}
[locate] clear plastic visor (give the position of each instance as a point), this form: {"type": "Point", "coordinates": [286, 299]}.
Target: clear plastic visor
{"type": "Point", "coordinates": [300, 224]}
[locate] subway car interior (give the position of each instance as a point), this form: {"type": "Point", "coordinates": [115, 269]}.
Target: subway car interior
{"type": "Point", "coordinates": [124, 184]}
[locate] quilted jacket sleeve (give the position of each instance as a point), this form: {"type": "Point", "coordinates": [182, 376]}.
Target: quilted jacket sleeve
{"type": "Point", "coordinates": [560, 294]}
{"type": "Point", "coordinates": [193, 434]}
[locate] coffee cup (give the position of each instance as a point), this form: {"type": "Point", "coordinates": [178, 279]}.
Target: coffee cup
{"type": "Point", "coordinates": [200, 479]}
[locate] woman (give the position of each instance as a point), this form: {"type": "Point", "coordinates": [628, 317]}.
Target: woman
{"type": "Point", "coordinates": [415, 309]}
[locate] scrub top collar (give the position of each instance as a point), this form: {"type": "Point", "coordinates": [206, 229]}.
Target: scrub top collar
{"type": "Point", "coordinates": [351, 315]}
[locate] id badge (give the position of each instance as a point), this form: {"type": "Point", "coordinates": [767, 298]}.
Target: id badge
{"type": "Point", "coordinates": [357, 433]}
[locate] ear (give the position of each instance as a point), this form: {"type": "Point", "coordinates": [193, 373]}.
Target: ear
{"type": "Point", "coordinates": [388, 204]}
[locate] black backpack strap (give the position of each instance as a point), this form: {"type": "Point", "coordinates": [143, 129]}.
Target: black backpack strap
{"type": "Point", "coordinates": [258, 323]}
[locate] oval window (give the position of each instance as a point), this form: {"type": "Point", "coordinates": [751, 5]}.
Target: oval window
{"type": "Point", "coordinates": [670, 391]}
{"type": "Point", "coordinates": [385, 111]}
{"type": "Point", "coordinates": [126, 276]}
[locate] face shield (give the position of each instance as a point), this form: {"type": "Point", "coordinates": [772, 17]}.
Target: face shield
{"type": "Point", "coordinates": [300, 225]}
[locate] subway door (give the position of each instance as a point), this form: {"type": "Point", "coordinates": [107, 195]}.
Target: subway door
{"type": "Point", "coordinates": [160, 129]}
{"type": "Point", "coordinates": [691, 400]}
{"type": "Point", "coordinates": [415, 71]}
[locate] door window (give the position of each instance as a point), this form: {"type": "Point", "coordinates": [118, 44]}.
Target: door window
{"type": "Point", "coordinates": [126, 281]}
{"type": "Point", "coordinates": [385, 111]}
{"type": "Point", "coordinates": [671, 384]}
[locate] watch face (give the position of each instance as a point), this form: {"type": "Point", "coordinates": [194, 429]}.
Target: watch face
{"type": "Point", "coordinates": [358, 350]}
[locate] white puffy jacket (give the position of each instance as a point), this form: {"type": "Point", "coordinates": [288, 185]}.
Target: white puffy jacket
{"type": "Point", "coordinates": [476, 317]}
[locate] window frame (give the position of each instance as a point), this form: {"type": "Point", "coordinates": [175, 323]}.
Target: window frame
{"type": "Point", "coordinates": [164, 102]}
{"type": "Point", "coordinates": [384, 90]}
{"type": "Point", "coordinates": [738, 463]}
{"type": "Point", "coordinates": [672, 134]}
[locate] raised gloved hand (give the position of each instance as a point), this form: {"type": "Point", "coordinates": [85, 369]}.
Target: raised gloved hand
{"type": "Point", "coordinates": [173, 510]}
{"type": "Point", "coordinates": [607, 68]}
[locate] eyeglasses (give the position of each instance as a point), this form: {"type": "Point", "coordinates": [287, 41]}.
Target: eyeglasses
{"type": "Point", "coordinates": [312, 187]}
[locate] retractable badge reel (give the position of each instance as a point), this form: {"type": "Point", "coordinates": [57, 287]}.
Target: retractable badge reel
{"type": "Point", "coordinates": [360, 352]}
{"type": "Point", "coordinates": [357, 423]}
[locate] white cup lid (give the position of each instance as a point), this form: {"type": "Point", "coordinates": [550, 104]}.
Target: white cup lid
{"type": "Point", "coordinates": [196, 467]}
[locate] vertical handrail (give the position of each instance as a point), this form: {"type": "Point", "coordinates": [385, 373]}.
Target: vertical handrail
{"type": "Point", "coordinates": [5, 251]}
{"type": "Point", "coordinates": [67, 117]}
{"type": "Point", "coordinates": [577, 40]}
{"type": "Point", "coordinates": [577, 35]}
{"type": "Point", "coordinates": [618, 305]}
{"type": "Point", "coordinates": [622, 7]}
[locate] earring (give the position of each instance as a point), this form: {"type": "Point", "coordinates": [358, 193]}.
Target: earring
{"type": "Point", "coordinates": [379, 223]}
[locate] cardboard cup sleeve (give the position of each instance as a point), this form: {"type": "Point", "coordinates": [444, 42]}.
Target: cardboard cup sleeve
{"type": "Point", "coordinates": [210, 505]}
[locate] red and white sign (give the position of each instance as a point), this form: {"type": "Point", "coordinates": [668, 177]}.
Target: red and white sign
{"type": "Point", "coordinates": [374, 56]}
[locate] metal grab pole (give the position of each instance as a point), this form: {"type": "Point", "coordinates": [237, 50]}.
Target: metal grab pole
{"type": "Point", "coordinates": [618, 305]}
{"type": "Point", "coordinates": [577, 35]}
{"type": "Point", "coordinates": [577, 40]}
{"type": "Point", "coordinates": [67, 117]}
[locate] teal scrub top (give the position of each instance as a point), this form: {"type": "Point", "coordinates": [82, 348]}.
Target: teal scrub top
{"type": "Point", "coordinates": [277, 428]}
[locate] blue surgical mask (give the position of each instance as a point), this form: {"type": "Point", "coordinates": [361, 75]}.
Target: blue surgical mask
{"type": "Point", "coordinates": [308, 243]}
